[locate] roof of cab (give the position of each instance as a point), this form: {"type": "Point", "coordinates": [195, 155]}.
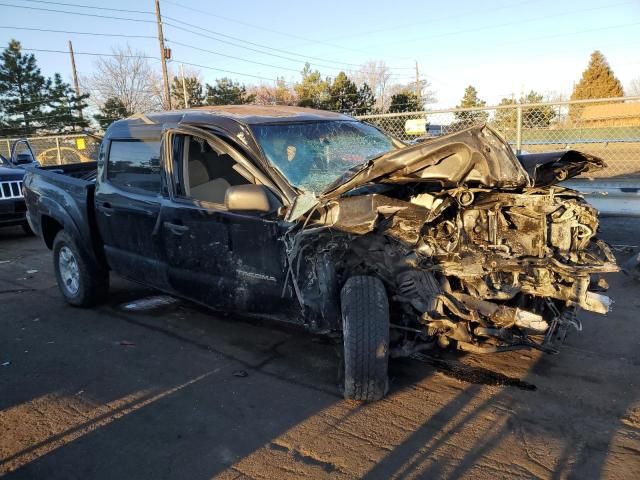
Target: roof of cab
{"type": "Point", "coordinates": [244, 114]}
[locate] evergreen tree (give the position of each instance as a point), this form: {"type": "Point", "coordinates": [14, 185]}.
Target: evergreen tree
{"type": "Point", "coordinates": [506, 118]}
{"type": "Point", "coordinates": [366, 100]}
{"type": "Point", "coordinates": [195, 94]}
{"type": "Point", "coordinates": [227, 92]}
{"type": "Point", "coordinates": [112, 110]}
{"type": "Point", "coordinates": [470, 100]}
{"type": "Point", "coordinates": [404, 101]}
{"type": "Point", "coordinates": [343, 94]}
{"type": "Point", "coordinates": [66, 107]}
{"type": "Point", "coordinates": [312, 91]}
{"type": "Point", "coordinates": [532, 117]}
{"type": "Point", "coordinates": [536, 117]}
{"type": "Point", "coordinates": [598, 80]}
{"type": "Point", "coordinates": [23, 91]}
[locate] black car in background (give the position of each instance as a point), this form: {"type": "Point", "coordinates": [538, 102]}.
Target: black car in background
{"type": "Point", "coordinates": [12, 207]}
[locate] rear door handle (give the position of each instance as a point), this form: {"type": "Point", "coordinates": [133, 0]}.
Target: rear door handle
{"type": "Point", "coordinates": [176, 228]}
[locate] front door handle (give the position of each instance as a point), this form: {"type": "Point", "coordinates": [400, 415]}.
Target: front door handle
{"type": "Point", "coordinates": [106, 208]}
{"type": "Point", "coordinates": [176, 228]}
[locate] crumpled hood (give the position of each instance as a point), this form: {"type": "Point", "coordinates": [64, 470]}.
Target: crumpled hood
{"type": "Point", "coordinates": [476, 156]}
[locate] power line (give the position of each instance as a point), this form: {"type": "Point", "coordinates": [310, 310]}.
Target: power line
{"type": "Point", "coordinates": [95, 15]}
{"type": "Point", "coordinates": [212, 32]}
{"type": "Point", "coordinates": [507, 24]}
{"type": "Point", "coordinates": [49, 10]}
{"type": "Point", "coordinates": [248, 48]}
{"type": "Point", "coordinates": [266, 29]}
{"type": "Point", "coordinates": [89, 6]}
{"type": "Point", "coordinates": [71, 32]}
{"type": "Point", "coordinates": [438, 20]}
{"type": "Point", "coordinates": [255, 44]}
{"type": "Point", "coordinates": [89, 53]}
{"type": "Point", "coordinates": [237, 45]}
{"type": "Point", "coordinates": [234, 57]}
{"type": "Point", "coordinates": [206, 67]}
{"type": "Point", "coordinates": [564, 34]}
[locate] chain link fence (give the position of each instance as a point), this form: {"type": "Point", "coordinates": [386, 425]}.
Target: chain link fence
{"type": "Point", "coordinates": [54, 150]}
{"type": "Point", "coordinates": [608, 128]}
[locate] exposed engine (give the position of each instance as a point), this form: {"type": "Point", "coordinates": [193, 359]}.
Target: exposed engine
{"type": "Point", "coordinates": [513, 266]}
{"type": "Point", "coordinates": [474, 251]}
{"type": "Point", "coordinates": [484, 271]}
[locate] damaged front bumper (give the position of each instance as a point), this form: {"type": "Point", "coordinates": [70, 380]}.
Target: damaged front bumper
{"type": "Point", "coordinates": [490, 258]}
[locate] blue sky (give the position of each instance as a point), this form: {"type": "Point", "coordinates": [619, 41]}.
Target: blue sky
{"type": "Point", "coordinates": [501, 47]}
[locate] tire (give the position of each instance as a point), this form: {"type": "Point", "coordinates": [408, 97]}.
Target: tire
{"type": "Point", "coordinates": [365, 332]}
{"type": "Point", "coordinates": [26, 228]}
{"type": "Point", "coordinates": [81, 284]}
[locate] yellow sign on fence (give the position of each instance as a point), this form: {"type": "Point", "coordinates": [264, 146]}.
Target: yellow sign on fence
{"type": "Point", "coordinates": [81, 144]}
{"type": "Point", "coordinates": [415, 126]}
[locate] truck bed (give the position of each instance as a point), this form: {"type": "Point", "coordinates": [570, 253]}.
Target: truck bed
{"type": "Point", "coordinates": [83, 171]}
{"type": "Point", "coordinates": [64, 194]}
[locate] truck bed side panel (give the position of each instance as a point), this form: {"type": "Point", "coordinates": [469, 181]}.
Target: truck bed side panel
{"type": "Point", "coordinates": [62, 194]}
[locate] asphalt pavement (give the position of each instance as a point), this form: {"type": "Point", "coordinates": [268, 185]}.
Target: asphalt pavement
{"type": "Point", "coordinates": [180, 392]}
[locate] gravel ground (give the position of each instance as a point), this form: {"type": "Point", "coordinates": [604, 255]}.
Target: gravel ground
{"type": "Point", "coordinates": [181, 393]}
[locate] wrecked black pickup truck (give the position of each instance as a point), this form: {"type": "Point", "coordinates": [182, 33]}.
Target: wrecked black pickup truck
{"type": "Point", "coordinates": [316, 218]}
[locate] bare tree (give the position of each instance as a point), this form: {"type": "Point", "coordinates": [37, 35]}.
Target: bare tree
{"type": "Point", "coordinates": [426, 94]}
{"type": "Point", "coordinates": [377, 75]}
{"type": "Point", "coordinates": [279, 94]}
{"type": "Point", "coordinates": [128, 77]}
{"type": "Point", "coordinates": [633, 89]}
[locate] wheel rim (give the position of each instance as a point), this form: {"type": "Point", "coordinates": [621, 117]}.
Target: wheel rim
{"type": "Point", "coordinates": [69, 271]}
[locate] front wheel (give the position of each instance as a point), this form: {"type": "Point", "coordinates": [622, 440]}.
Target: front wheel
{"type": "Point", "coordinates": [365, 331]}
{"type": "Point", "coordinates": [81, 284]}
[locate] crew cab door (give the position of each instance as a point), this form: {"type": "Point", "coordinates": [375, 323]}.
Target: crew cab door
{"type": "Point", "coordinates": [128, 200]}
{"type": "Point", "coordinates": [221, 258]}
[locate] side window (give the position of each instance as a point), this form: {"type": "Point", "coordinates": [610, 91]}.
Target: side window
{"type": "Point", "coordinates": [135, 165]}
{"type": "Point", "coordinates": [206, 172]}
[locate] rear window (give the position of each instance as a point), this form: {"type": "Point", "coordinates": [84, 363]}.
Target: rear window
{"type": "Point", "coordinates": [135, 165]}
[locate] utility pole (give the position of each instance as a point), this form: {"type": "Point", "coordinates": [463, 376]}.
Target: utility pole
{"type": "Point", "coordinates": [74, 73]}
{"type": "Point", "coordinates": [163, 57]}
{"type": "Point", "coordinates": [184, 87]}
{"type": "Point", "coordinates": [418, 87]}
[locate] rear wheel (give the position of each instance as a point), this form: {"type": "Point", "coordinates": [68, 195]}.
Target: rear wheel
{"type": "Point", "coordinates": [365, 331]}
{"type": "Point", "coordinates": [81, 284]}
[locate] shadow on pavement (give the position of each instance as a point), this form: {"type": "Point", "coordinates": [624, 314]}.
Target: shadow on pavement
{"type": "Point", "coordinates": [180, 393]}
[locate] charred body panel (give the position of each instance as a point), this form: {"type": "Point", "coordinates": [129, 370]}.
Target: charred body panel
{"type": "Point", "coordinates": [487, 259]}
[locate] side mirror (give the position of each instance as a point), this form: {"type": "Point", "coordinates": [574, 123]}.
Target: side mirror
{"type": "Point", "coordinates": [251, 198]}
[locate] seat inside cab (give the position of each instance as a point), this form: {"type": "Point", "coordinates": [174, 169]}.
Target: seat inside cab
{"type": "Point", "coordinates": [209, 173]}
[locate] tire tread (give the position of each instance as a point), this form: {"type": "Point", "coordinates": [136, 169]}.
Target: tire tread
{"type": "Point", "coordinates": [365, 313]}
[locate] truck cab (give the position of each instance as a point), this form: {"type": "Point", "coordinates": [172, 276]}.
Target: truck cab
{"type": "Point", "coordinates": [187, 210]}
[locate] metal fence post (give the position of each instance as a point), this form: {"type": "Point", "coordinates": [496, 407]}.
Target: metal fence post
{"type": "Point", "coordinates": [58, 150]}
{"type": "Point", "coordinates": [518, 130]}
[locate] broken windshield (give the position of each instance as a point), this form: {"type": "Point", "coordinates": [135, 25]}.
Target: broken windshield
{"type": "Point", "coordinates": [312, 155]}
